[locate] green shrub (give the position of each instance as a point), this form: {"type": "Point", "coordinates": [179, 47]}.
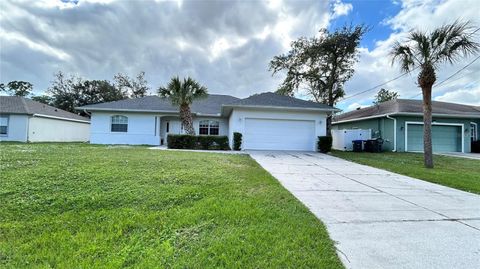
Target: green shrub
{"type": "Point", "coordinates": [203, 142]}
{"type": "Point", "coordinates": [324, 144]}
{"type": "Point", "coordinates": [181, 141]}
{"type": "Point", "coordinates": [237, 141]}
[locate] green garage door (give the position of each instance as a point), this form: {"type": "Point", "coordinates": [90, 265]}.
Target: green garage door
{"type": "Point", "coordinates": [444, 138]}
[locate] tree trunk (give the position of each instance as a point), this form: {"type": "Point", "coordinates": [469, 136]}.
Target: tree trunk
{"type": "Point", "coordinates": [426, 79]}
{"type": "Point", "coordinates": [427, 127]}
{"type": "Point", "coordinates": [186, 118]}
{"type": "Point", "coordinates": [331, 103]}
{"type": "Point", "coordinates": [329, 124]}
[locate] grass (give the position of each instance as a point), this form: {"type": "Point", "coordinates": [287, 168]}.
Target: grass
{"type": "Point", "coordinates": [85, 206]}
{"type": "Point", "coordinates": [458, 173]}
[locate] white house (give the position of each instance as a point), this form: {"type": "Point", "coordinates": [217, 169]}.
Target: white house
{"type": "Point", "coordinates": [25, 120]}
{"type": "Point", "coordinates": [267, 121]}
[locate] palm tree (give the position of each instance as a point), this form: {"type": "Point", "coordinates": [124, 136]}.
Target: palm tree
{"type": "Point", "coordinates": [426, 51]}
{"type": "Point", "coordinates": [182, 94]}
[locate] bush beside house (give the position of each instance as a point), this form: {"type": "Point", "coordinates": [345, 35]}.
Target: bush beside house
{"type": "Point", "coordinates": [324, 144]}
{"type": "Point", "coordinates": [202, 142]}
{"type": "Point", "coordinates": [237, 141]}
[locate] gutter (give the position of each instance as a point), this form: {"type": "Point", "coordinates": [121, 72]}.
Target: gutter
{"type": "Point", "coordinates": [460, 116]}
{"type": "Point", "coordinates": [126, 110]}
{"type": "Point", "coordinates": [59, 118]}
{"type": "Point", "coordinates": [283, 108]}
{"type": "Point", "coordinates": [394, 132]}
{"type": "Point", "coordinates": [364, 118]}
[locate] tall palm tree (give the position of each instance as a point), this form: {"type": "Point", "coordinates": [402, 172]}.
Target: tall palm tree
{"type": "Point", "coordinates": [182, 94]}
{"type": "Point", "coordinates": [426, 51]}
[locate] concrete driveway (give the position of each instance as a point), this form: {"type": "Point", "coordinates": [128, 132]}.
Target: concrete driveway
{"type": "Point", "coordinates": [380, 219]}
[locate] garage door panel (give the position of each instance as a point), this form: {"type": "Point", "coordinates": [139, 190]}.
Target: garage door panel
{"type": "Point", "coordinates": [445, 138]}
{"type": "Point", "coordinates": [272, 134]}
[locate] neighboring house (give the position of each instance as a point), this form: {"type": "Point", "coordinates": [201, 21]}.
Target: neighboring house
{"type": "Point", "coordinates": [266, 120]}
{"type": "Point", "coordinates": [400, 124]}
{"type": "Point", "coordinates": [25, 120]}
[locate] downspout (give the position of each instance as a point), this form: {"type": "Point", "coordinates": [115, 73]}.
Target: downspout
{"type": "Point", "coordinates": [394, 132]}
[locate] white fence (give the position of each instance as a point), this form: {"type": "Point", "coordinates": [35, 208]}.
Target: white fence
{"type": "Point", "coordinates": [342, 139]}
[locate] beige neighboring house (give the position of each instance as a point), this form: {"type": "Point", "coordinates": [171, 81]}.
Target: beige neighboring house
{"type": "Point", "coordinates": [25, 120]}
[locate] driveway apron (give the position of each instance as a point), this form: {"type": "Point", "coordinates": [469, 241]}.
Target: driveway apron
{"type": "Point", "coordinates": [379, 219]}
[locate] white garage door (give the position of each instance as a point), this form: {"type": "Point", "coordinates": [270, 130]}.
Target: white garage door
{"type": "Point", "coordinates": [268, 134]}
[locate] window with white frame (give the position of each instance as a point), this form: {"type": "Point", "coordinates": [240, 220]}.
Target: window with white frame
{"type": "Point", "coordinates": [119, 124]}
{"type": "Point", "coordinates": [3, 125]}
{"type": "Point", "coordinates": [209, 127]}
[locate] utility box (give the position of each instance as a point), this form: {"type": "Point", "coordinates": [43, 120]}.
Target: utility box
{"type": "Point", "coordinates": [342, 139]}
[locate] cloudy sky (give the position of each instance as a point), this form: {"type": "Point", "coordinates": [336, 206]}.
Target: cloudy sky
{"type": "Point", "coordinates": [225, 45]}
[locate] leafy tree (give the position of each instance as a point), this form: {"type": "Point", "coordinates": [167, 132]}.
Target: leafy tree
{"type": "Point", "coordinates": [385, 95]}
{"type": "Point", "coordinates": [182, 94]}
{"type": "Point", "coordinates": [43, 99]}
{"type": "Point", "coordinates": [17, 88]}
{"type": "Point", "coordinates": [320, 65]}
{"type": "Point", "coordinates": [427, 51]}
{"type": "Point", "coordinates": [98, 91]}
{"type": "Point", "coordinates": [134, 87]}
{"type": "Point", "coordinates": [72, 91]}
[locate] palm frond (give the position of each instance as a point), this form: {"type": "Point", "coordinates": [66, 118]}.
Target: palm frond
{"type": "Point", "coordinates": [422, 50]}
{"type": "Point", "coordinates": [403, 54]}
{"type": "Point", "coordinates": [458, 41]}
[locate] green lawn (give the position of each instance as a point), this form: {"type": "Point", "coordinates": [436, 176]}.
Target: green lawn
{"type": "Point", "coordinates": [458, 173]}
{"type": "Point", "coordinates": [84, 206]}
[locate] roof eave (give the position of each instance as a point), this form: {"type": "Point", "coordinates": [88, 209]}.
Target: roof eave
{"type": "Point", "coordinates": [199, 114]}
{"type": "Point", "coordinates": [333, 109]}
{"type": "Point", "coordinates": [60, 118]}
{"type": "Point", "coordinates": [475, 116]}
{"type": "Point", "coordinates": [124, 110]}
{"type": "Point", "coordinates": [409, 114]}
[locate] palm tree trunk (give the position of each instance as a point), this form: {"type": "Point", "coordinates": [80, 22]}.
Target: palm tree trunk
{"type": "Point", "coordinates": [426, 79]}
{"type": "Point", "coordinates": [427, 127]}
{"type": "Point", "coordinates": [186, 118]}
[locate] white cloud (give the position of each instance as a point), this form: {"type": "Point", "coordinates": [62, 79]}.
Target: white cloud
{"type": "Point", "coordinates": [463, 96]}
{"type": "Point", "coordinates": [341, 9]}
{"type": "Point", "coordinates": [225, 45]}
{"type": "Point", "coordinates": [355, 105]}
{"type": "Point", "coordinates": [375, 65]}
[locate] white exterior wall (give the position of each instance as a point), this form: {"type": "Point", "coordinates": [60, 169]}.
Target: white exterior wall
{"type": "Point", "coordinates": [141, 129]}
{"type": "Point", "coordinates": [55, 130]}
{"type": "Point", "coordinates": [17, 128]}
{"type": "Point", "coordinates": [237, 119]}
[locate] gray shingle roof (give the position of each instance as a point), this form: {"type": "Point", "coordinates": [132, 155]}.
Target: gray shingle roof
{"type": "Point", "coordinates": [409, 106]}
{"type": "Point", "coordinates": [21, 105]}
{"type": "Point", "coordinates": [210, 105]}
{"type": "Point", "coordinates": [276, 100]}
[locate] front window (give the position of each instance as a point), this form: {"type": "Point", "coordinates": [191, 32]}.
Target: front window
{"type": "Point", "coordinates": [209, 127]}
{"type": "Point", "coordinates": [3, 125]}
{"type": "Point", "coordinates": [119, 124]}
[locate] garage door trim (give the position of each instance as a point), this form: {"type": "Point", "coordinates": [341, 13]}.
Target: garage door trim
{"type": "Point", "coordinates": [434, 123]}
